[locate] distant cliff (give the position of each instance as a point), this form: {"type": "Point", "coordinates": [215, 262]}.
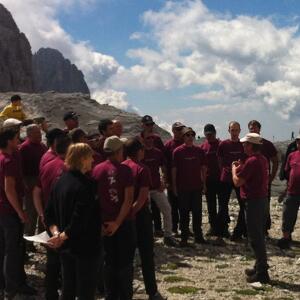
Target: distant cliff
{"type": "Point", "coordinates": [15, 56]}
{"type": "Point", "coordinates": [53, 72]}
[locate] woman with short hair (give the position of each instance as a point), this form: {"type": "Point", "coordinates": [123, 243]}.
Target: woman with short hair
{"type": "Point", "coordinates": [73, 218]}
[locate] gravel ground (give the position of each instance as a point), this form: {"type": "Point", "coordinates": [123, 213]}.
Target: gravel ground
{"type": "Point", "coordinates": [212, 271]}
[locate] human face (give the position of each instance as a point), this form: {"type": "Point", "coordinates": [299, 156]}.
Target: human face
{"type": "Point", "coordinates": [298, 144]}
{"type": "Point", "coordinates": [117, 128]}
{"type": "Point", "coordinates": [253, 128]}
{"type": "Point", "coordinates": [35, 135]}
{"type": "Point", "coordinates": [109, 131]}
{"type": "Point", "coordinates": [13, 144]}
{"type": "Point", "coordinates": [210, 136]}
{"type": "Point", "coordinates": [87, 163]}
{"type": "Point", "coordinates": [141, 154]}
{"type": "Point", "coordinates": [247, 148]}
{"type": "Point", "coordinates": [177, 132]}
{"type": "Point", "coordinates": [188, 138]}
{"type": "Point", "coordinates": [147, 127]}
{"type": "Point", "coordinates": [72, 123]}
{"type": "Point", "coordinates": [17, 103]}
{"type": "Point", "coordinates": [234, 131]}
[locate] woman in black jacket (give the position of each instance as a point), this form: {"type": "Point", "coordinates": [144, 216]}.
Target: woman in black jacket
{"type": "Point", "coordinates": [73, 219]}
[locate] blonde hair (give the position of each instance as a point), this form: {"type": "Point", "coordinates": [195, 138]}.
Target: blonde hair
{"type": "Point", "coordinates": [75, 154]}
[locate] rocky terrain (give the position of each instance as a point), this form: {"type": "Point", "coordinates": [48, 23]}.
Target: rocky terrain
{"type": "Point", "coordinates": [52, 72]}
{"type": "Point", "coordinates": [15, 56]}
{"type": "Point", "coordinates": [53, 105]}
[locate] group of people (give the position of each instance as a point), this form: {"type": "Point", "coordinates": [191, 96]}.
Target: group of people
{"type": "Point", "coordinates": [101, 196]}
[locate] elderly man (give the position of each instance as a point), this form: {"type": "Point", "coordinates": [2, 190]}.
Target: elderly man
{"type": "Point", "coordinates": [31, 152]}
{"type": "Point", "coordinates": [252, 177]}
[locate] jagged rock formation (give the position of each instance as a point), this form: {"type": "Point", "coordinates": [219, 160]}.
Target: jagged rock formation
{"type": "Point", "coordinates": [53, 105]}
{"type": "Point", "coordinates": [53, 72]}
{"type": "Point", "coordinates": [15, 56]}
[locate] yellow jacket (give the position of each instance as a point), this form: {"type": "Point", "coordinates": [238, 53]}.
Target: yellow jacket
{"type": "Point", "coordinates": [11, 111]}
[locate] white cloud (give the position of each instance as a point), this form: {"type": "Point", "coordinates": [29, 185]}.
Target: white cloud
{"type": "Point", "coordinates": [111, 97]}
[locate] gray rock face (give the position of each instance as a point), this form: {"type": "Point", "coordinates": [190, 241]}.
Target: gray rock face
{"type": "Point", "coordinates": [15, 56]}
{"type": "Point", "coordinates": [53, 72]}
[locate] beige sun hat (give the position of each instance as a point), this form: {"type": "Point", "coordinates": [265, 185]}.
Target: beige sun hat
{"type": "Point", "coordinates": [252, 138]}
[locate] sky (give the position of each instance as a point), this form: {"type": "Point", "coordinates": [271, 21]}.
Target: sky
{"type": "Point", "coordinates": [192, 61]}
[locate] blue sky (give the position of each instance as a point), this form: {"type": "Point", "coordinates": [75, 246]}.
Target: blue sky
{"type": "Point", "coordinates": [190, 60]}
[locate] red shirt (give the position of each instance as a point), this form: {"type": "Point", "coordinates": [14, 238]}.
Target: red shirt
{"type": "Point", "coordinates": [49, 173]}
{"type": "Point", "coordinates": [48, 156]}
{"type": "Point", "coordinates": [112, 180]}
{"type": "Point", "coordinates": [10, 167]}
{"type": "Point", "coordinates": [228, 152]}
{"type": "Point", "coordinates": [98, 158]}
{"type": "Point", "coordinates": [141, 176]}
{"type": "Point", "coordinates": [292, 168]}
{"type": "Point", "coordinates": [255, 172]}
{"type": "Point", "coordinates": [170, 146]}
{"type": "Point", "coordinates": [213, 168]}
{"type": "Point", "coordinates": [154, 159]}
{"type": "Point", "coordinates": [31, 154]}
{"type": "Point", "coordinates": [188, 162]}
{"type": "Point", "coordinates": [268, 149]}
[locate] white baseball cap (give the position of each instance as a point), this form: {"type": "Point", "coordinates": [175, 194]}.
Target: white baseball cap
{"type": "Point", "coordinates": [11, 123]}
{"type": "Point", "coordinates": [252, 138]}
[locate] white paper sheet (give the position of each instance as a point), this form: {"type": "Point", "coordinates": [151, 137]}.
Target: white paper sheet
{"type": "Point", "coordinates": [39, 238]}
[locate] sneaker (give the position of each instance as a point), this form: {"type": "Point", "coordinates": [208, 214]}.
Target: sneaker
{"type": "Point", "coordinates": [157, 296]}
{"type": "Point", "coordinates": [170, 242]}
{"type": "Point", "coordinates": [259, 277]}
{"type": "Point", "coordinates": [27, 290]}
{"type": "Point", "coordinates": [200, 240]}
{"type": "Point", "coordinates": [158, 233]}
{"type": "Point", "coordinates": [250, 272]}
{"type": "Point", "coordinates": [284, 243]}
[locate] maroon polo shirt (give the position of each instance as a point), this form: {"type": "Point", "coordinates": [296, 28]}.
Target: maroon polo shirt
{"type": "Point", "coordinates": [292, 168]}
{"type": "Point", "coordinates": [188, 162]}
{"type": "Point", "coordinates": [31, 154]}
{"type": "Point", "coordinates": [213, 168]}
{"type": "Point", "coordinates": [48, 156]}
{"type": "Point", "coordinates": [154, 159]}
{"type": "Point", "coordinates": [112, 179]}
{"type": "Point", "coordinates": [255, 172]}
{"type": "Point", "coordinates": [229, 151]}
{"type": "Point", "coordinates": [49, 173]}
{"type": "Point", "coordinates": [10, 167]}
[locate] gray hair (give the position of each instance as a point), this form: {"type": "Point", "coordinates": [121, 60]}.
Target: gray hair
{"type": "Point", "coordinates": [30, 128]}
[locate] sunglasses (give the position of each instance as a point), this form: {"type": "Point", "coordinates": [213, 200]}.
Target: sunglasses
{"type": "Point", "coordinates": [190, 135]}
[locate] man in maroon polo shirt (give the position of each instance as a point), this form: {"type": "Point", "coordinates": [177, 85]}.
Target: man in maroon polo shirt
{"type": "Point", "coordinates": [252, 177]}
{"type": "Point", "coordinates": [189, 174]}
{"type": "Point", "coordinates": [141, 213]}
{"type": "Point", "coordinates": [154, 159]}
{"type": "Point", "coordinates": [292, 202]}
{"type": "Point", "coordinates": [31, 152]}
{"type": "Point", "coordinates": [115, 192]}
{"type": "Point", "coordinates": [228, 151]}
{"type": "Point", "coordinates": [170, 146]}
{"type": "Point", "coordinates": [12, 218]}
{"type": "Point", "coordinates": [213, 186]}
{"type": "Point", "coordinates": [270, 153]}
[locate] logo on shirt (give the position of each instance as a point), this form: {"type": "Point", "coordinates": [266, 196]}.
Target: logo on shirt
{"type": "Point", "coordinates": [113, 192]}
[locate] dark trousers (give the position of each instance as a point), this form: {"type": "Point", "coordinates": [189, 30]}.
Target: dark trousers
{"type": "Point", "coordinates": [223, 215]}
{"type": "Point", "coordinates": [190, 201]}
{"type": "Point", "coordinates": [119, 252]}
{"type": "Point", "coordinates": [145, 244]}
{"type": "Point", "coordinates": [268, 220]}
{"type": "Point", "coordinates": [290, 213]}
{"type": "Point", "coordinates": [213, 196]}
{"type": "Point", "coordinates": [156, 217]}
{"type": "Point", "coordinates": [173, 200]}
{"type": "Point", "coordinates": [12, 274]}
{"type": "Point", "coordinates": [52, 278]}
{"type": "Point", "coordinates": [79, 276]}
{"type": "Point", "coordinates": [256, 213]}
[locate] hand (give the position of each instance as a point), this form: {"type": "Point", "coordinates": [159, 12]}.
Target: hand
{"type": "Point", "coordinates": [23, 216]}
{"type": "Point", "coordinates": [110, 228]}
{"type": "Point", "coordinates": [55, 242]}
{"type": "Point", "coordinates": [235, 164]}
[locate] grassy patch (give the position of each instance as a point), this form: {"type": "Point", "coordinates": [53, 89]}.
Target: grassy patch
{"type": "Point", "coordinates": [170, 266]}
{"type": "Point", "coordinates": [222, 266]}
{"type": "Point", "coordinates": [172, 279]}
{"type": "Point", "coordinates": [247, 292]}
{"type": "Point", "coordinates": [221, 290]}
{"type": "Point", "coordinates": [236, 298]}
{"type": "Point", "coordinates": [183, 290]}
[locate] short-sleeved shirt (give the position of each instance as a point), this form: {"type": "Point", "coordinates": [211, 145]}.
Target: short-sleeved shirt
{"type": "Point", "coordinates": [188, 162]}
{"type": "Point", "coordinates": [49, 173]}
{"type": "Point", "coordinates": [154, 159]}
{"type": "Point", "coordinates": [10, 167]}
{"type": "Point", "coordinates": [255, 172]}
{"type": "Point", "coordinates": [213, 168]}
{"type": "Point", "coordinates": [141, 176]}
{"type": "Point", "coordinates": [112, 179]}
{"type": "Point", "coordinates": [170, 146]}
{"type": "Point", "coordinates": [292, 169]}
{"type": "Point", "coordinates": [228, 152]}
{"type": "Point", "coordinates": [31, 154]}
{"type": "Point", "coordinates": [47, 157]}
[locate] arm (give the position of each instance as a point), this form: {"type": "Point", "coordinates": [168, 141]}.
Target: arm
{"type": "Point", "coordinates": [174, 174]}
{"type": "Point", "coordinates": [238, 181]}
{"type": "Point", "coordinates": [275, 164]}
{"type": "Point", "coordinates": [38, 203]}
{"type": "Point", "coordinates": [203, 177]}
{"type": "Point", "coordinates": [12, 196]}
{"type": "Point", "coordinates": [141, 200]}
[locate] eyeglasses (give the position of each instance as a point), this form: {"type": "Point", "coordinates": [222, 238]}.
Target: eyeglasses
{"type": "Point", "coordinates": [190, 135]}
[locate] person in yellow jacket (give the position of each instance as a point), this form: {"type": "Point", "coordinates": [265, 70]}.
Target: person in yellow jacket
{"type": "Point", "coordinates": [13, 110]}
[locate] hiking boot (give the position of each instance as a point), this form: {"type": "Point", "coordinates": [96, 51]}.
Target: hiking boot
{"type": "Point", "coordinates": [200, 240]}
{"type": "Point", "coordinates": [157, 296]}
{"type": "Point", "coordinates": [262, 277]}
{"type": "Point", "coordinates": [250, 272]}
{"type": "Point", "coordinates": [284, 243]}
{"type": "Point", "coordinates": [170, 242]}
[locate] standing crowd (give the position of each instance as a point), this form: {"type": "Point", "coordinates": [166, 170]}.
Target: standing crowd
{"type": "Point", "coordinates": [101, 197]}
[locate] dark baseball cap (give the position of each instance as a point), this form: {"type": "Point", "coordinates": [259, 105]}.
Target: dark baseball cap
{"type": "Point", "coordinates": [70, 115]}
{"type": "Point", "coordinates": [209, 128]}
{"type": "Point", "coordinates": [177, 125]}
{"type": "Point", "coordinates": [147, 120]}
